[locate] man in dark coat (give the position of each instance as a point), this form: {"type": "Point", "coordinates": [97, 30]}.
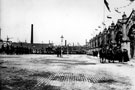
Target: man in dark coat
{"type": "Point", "coordinates": [125, 55]}
{"type": "Point", "coordinates": [119, 54]}
{"type": "Point", "coordinates": [101, 55]}
{"type": "Point", "coordinates": [109, 54]}
{"type": "Point", "coordinates": [58, 51]}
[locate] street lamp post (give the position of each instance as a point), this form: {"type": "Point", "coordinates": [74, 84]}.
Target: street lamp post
{"type": "Point", "coordinates": [61, 43]}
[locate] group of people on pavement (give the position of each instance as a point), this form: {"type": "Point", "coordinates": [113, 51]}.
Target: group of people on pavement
{"type": "Point", "coordinates": [10, 49]}
{"type": "Point", "coordinates": [112, 54]}
{"type": "Point", "coordinates": [59, 51]}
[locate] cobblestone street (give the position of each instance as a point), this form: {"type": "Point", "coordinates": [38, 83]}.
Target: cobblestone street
{"type": "Point", "coordinates": [71, 72]}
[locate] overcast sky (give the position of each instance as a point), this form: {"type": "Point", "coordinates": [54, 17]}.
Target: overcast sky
{"type": "Point", "coordinates": [76, 20]}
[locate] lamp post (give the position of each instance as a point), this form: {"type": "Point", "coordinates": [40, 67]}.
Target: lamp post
{"type": "Point", "coordinates": [61, 43]}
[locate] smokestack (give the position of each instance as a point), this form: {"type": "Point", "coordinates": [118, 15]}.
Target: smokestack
{"type": "Point", "coordinates": [31, 33]}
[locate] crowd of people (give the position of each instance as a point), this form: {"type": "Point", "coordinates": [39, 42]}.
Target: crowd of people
{"type": "Point", "coordinates": [109, 54]}
{"type": "Point", "coordinates": [58, 52]}
{"type": "Point", "coordinates": [113, 54]}
{"type": "Point", "coordinates": [9, 49]}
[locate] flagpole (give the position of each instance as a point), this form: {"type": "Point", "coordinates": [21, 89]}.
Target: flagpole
{"type": "Point", "coordinates": [107, 6]}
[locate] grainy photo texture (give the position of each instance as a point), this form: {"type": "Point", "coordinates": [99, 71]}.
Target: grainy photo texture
{"type": "Point", "coordinates": [67, 44]}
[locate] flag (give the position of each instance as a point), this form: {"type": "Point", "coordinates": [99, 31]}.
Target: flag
{"type": "Point", "coordinates": [103, 23]}
{"type": "Point", "coordinates": [107, 5]}
{"type": "Point", "coordinates": [96, 29]}
{"type": "Point", "coordinates": [109, 17]}
{"type": "Point", "coordinates": [99, 27]}
{"type": "Point", "coordinates": [117, 11]}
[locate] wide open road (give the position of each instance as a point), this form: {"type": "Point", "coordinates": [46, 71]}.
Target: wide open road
{"type": "Point", "coordinates": [71, 72]}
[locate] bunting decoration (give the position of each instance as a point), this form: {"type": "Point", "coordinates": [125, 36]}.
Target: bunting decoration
{"type": "Point", "coordinates": [117, 9]}
{"type": "Point", "coordinates": [131, 1]}
{"type": "Point", "coordinates": [107, 5]}
{"type": "Point", "coordinates": [126, 5]}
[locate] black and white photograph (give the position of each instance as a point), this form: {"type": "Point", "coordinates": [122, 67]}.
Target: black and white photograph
{"type": "Point", "coordinates": [67, 44]}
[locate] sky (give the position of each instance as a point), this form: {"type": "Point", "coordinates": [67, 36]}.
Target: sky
{"type": "Point", "coordinates": [76, 20]}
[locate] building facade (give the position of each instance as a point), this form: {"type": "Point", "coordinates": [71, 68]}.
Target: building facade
{"type": "Point", "coordinates": [121, 34]}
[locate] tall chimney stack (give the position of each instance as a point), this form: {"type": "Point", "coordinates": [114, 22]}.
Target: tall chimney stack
{"type": "Point", "coordinates": [31, 33]}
